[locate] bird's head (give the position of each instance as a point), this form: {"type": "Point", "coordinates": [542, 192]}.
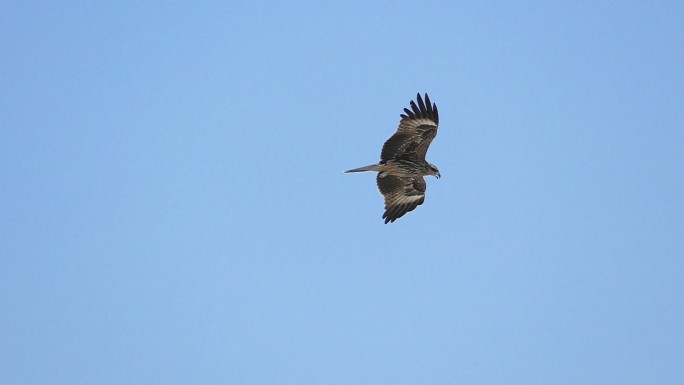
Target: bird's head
{"type": "Point", "coordinates": [434, 171]}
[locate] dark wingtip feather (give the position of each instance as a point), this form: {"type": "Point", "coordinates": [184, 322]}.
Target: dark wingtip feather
{"type": "Point", "coordinates": [415, 108]}
{"type": "Point", "coordinates": [431, 109]}
{"type": "Point", "coordinates": [395, 212]}
{"type": "Point", "coordinates": [390, 218]}
{"type": "Point", "coordinates": [423, 109]}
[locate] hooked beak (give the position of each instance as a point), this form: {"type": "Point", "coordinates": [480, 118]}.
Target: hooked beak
{"type": "Point", "coordinates": [438, 175]}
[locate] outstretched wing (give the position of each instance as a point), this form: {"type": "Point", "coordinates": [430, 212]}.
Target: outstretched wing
{"type": "Point", "coordinates": [416, 130]}
{"type": "Point", "coordinates": [401, 195]}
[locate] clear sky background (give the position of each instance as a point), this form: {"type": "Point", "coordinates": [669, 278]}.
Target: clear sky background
{"type": "Point", "coordinates": [172, 208]}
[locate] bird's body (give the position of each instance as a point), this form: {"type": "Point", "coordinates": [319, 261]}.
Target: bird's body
{"type": "Point", "coordinates": [402, 163]}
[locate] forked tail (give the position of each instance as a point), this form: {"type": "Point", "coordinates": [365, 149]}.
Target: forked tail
{"type": "Point", "coordinates": [372, 167]}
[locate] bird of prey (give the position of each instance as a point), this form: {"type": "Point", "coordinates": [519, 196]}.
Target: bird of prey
{"type": "Point", "coordinates": [402, 161]}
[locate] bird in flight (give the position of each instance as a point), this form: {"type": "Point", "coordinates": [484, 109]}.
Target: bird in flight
{"type": "Point", "coordinates": [402, 161]}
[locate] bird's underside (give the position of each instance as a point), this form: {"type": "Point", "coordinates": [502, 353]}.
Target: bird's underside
{"type": "Point", "coordinates": [402, 161]}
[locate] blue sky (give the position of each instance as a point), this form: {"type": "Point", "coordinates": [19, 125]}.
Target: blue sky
{"type": "Point", "coordinates": [172, 209]}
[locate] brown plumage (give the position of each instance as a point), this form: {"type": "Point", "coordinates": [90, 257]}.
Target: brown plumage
{"type": "Point", "coordinates": [402, 160]}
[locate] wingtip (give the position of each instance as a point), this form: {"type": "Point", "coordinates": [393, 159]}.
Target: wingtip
{"type": "Point", "coordinates": [429, 106]}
